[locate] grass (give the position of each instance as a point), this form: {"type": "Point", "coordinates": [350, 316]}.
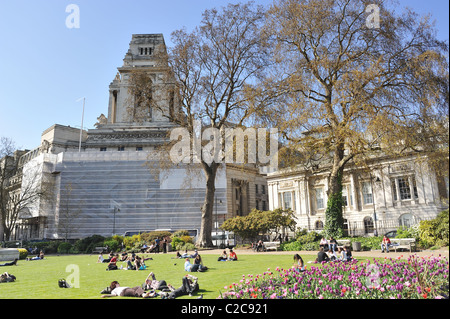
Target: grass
{"type": "Point", "coordinates": [39, 279]}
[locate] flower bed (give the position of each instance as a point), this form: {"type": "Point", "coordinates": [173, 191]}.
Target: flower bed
{"type": "Point", "coordinates": [415, 278]}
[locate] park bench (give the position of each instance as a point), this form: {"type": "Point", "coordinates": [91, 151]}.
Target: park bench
{"type": "Point", "coordinates": [271, 245]}
{"type": "Point", "coordinates": [341, 243]}
{"type": "Point", "coordinates": [99, 250]}
{"type": "Point", "coordinates": [403, 243]}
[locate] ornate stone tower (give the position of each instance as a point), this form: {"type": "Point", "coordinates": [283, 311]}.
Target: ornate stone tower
{"type": "Point", "coordinates": [146, 54]}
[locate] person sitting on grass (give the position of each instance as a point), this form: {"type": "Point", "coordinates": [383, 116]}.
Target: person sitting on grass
{"type": "Point", "coordinates": [342, 254]}
{"type": "Point", "coordinates": [189, 286]}
{"type": "Point", "coordinates": [112, 265]}
{"type": "Point", "coordinates": [153, 285]}
{"type": "Point", "coordinates": [198, 261]}
{"type": "Point", "coordinates": [100, 258]}
{"type": "Point", "coordinates": [348, 252]}
{"type": "Point", "coordinates": [136, 264]}
{"type": "Point", "coordinates": [232, 255]}
{"type": "Point", "coordinates": [190, 267]}
{"type": "Point", "coordinates": [331, 254]}
{"type": "Point", "coordinates": [322, 256]}
{"type": "Point", "coordinates": [223, 257]}
{"type": "Point", "coordinates": [298, 263]}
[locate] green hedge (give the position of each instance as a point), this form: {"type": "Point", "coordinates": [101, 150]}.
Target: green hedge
{"type": "Point", "coordinates": [311, 241]}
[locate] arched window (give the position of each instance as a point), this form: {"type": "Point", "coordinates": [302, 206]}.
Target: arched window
{"type": "Point", "coordinates": [407, 220]}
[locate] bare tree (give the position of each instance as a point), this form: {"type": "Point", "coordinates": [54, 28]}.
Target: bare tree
{"type": "Point", "coordinates": [69, 211]}
{"type": "Point", "coordinates": [7, 171]}
{"type": "Point", "coordinates": [209, 68]}
{"type": "Point", "coordinates": [21, 187]}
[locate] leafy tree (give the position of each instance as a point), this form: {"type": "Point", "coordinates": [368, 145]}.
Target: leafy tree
{"type": "Point", "coordinates": [342, 90]}
{"type": "Point", "coordinates": [260, 222]}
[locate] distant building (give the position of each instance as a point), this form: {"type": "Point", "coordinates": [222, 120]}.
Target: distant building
{"type": "Point", "coordinates": [101, 181]}
{"type": "Point", "coordinates": [391, 192]}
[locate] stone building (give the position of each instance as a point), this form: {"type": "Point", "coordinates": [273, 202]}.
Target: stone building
{"type": "Point", "coordinates": [390, 192]}
{"type": "Point", "coordinates": [102, 181]}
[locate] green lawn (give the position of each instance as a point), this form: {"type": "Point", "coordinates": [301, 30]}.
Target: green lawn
{"type": "Point", "coordinates": [39, 279]}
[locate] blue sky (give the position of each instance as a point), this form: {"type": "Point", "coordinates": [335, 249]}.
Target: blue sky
{"type": "Point", "coordinates": [46, 67]}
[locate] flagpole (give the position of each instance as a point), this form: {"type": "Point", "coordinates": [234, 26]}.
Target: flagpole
{"type": "Point", "coordinates": [81, 130]}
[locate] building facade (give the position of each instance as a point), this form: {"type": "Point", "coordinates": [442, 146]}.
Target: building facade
{"type": "Point", "coordinates": [387, 194]}
{"type": "Point", "coordinates": [102, 181]}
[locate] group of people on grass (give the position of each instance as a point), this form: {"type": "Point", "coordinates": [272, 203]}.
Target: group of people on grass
{"type": "Point", "coordinates": [228, 257]}
{"type": "Point", "coordinates": [330, 251]}
{"type": "Point", "coordinates": [156, 246]}
{"type": "Point", "coordinates": [132, 262]}
{"type": "Point", "coordinates": [152, 288]}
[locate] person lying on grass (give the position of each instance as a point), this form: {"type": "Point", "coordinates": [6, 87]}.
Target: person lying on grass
{"type": "Point", "coordinates": [117, 290]}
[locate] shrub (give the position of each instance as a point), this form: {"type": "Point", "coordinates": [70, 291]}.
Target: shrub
{"type": "Point", "coordinates": [175, 242]}
{"type": "Point", "coordinates": [291, 246]}
{"type": "Point", "coordinates": [86, 245]}
{"type": "Point", "coordinates": [185, 246]}
{"type": "Point", "coordinates": [305, 241]}
{"type": "Point", "coordinates": [151, 236]}
{"type": "Point", "coordinates": [180, 233]}
{"type": "Point", "coordinates": [112, 244]}
{"type": "Point", "coordinates": [130, 242]}
{"type": "Point", "coordinates": [408, 232]}
{"type": "Point", "coordinates": [187, 239]}
{"type": "Point", "coordinates": [64, 248]}
{"type": "Point", "coordinates": [23, 253]}
{"type": "Point", "coordinates": [309, 237]}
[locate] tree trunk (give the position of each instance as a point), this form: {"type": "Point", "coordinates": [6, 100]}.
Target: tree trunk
{"type": "Point", "coordinates": [334, 220]}
{"type": "Point", "coordinates": [205, 238]}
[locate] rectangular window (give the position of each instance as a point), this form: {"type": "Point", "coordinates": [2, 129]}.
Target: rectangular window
{"type": "Point", "coordinates": [102, 149]}
{"type": "Point", "coordinates": [416, 194]}
{"type": "Point", "coordinates": [344, 196]}
{"type": "Point", "coordinates": [256, 188]}
{"type": "Point", "coordinates": [287, 199]}
{"type": "Point", "coordinates": [319, 198]}
{"type": "Point", "coordinates": [139, 148]}
{"type": "Point", "coordinates": [394, 190]}
{"type": "Point", "coordinates": [347, 196]}
{"type": "Point", "coordinates": [367, 193]}
{"type": "Point", "coordinates": [294, 204]}
{"type": "Point", "coordinates": [263, 189]}
{"type": "Point", "coordinates": [121, 148]}
{"type": "Point", "coordinates": [403, 186]}
{"type": "Point", "coordinates": [264, 207]}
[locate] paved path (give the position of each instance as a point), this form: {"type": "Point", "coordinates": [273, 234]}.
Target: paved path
{"type": "Point", "coordinates": [369, 254]}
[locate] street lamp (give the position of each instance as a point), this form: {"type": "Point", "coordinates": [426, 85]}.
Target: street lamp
{"type": "Point", "coordinates": [114, 219]}
{"type": "Point", "coordinates": [373, 199]}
